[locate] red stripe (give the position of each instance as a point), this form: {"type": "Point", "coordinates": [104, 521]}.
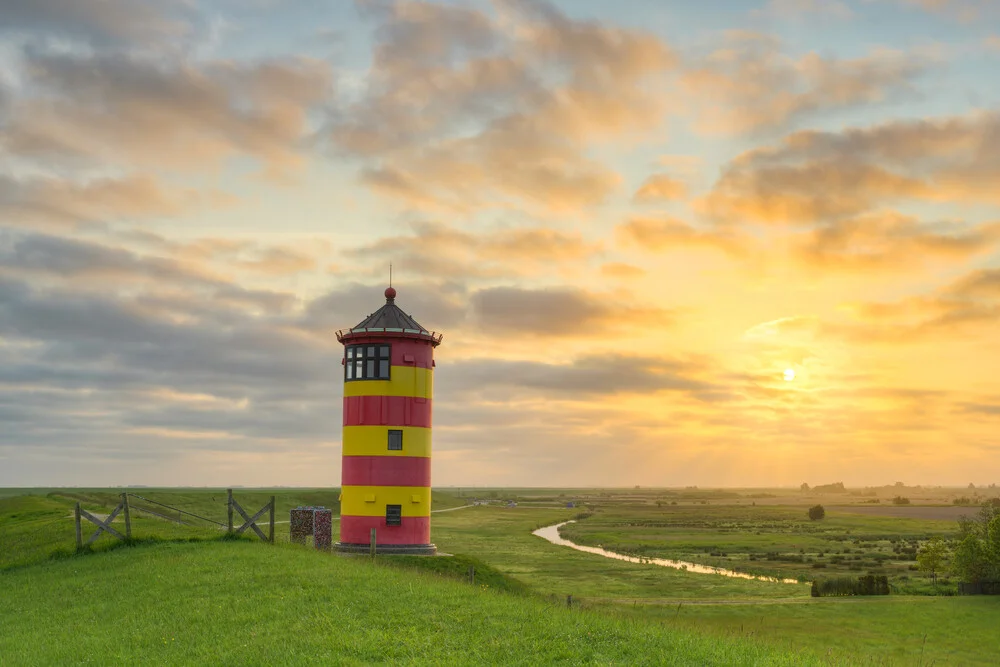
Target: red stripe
{"type": "Point", "coordinates": [357, 530]}
{"type": "Point", "coordinates": [387, 411]}
{"type": "Point", "coordinates": [385, 471]}
{"type": "Point", "coordinates": [403, 352]}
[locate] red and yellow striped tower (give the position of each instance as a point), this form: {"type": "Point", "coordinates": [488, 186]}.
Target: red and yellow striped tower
{"type": "Point", "coordinates": [386, 467]}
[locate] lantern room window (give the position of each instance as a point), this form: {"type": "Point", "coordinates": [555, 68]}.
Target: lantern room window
{"type": "Point", "coordinates": [394, 515]}
{"type": "Point", "coordinates": [366, 362]}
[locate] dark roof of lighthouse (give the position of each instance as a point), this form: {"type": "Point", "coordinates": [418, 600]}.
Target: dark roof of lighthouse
{"type": "Point", "coordinates": [389, 321]}
{"type": "Point", "coordinates": [389, 316]}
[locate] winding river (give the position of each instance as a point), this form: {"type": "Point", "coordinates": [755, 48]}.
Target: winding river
{"type": "Point", "coordinates": [551, 533]}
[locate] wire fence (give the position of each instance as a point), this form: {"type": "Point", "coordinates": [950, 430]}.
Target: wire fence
{"type": "Point", "coordinates": [179, 511]}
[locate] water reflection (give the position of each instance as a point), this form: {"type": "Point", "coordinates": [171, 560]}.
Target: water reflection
{"type": "Point", "coordinates": [551, 533]}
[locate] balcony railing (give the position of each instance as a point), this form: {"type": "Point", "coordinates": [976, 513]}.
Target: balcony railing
{"type": "Point", "coordinates": [362, 331]}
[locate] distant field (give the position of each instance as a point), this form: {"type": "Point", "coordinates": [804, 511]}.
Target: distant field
{"type": "Point", "coordinates": [778, 541]}
{"type": "Point", "coordinates": [951, 513]}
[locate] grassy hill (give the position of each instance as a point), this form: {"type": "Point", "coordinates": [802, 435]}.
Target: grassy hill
{"type": "Point", "coordinates": [242, 602]}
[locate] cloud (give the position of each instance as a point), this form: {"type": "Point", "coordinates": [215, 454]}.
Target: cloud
{"type": "Point", "coordinates": [817, 177]}
{"type": "Point", "coordinates": [147, 112]}
{"type": "Point", "coordinates": [437, 250]}
{"type": "Point", "coordinates": [437, 306]}
{"type": "Point", "coordinates": [62, 203]}
{"type": "Point", "coordinates": [621, 271]}
{"type": "Point", "coordinates": [464, 110]}
{"type": "Point", "coordinates": [889, 240]}
{"type": "Point", "coordinates": [660, 187]}
{"type": "Point", "coordinates": [780, 327]}
{"type": "Point", "coordinates": [562, 311]}
{"type": "Point", "coordinates": [984, 283]}
{"type": "Point", "coordinates": [47, 256]}
{"type": "Point", "coordinates": [584, 377]}
{"type": "Point", "coordinates": [989, 410]}
{"type": "Point", "coordinates": [100, 22]}
{"type": "Point", "coordinates": [969, 305]}
{"type": "Point", "coordinates": [750, 84]}
{"type": "Point", "coordinates": [662, 234]}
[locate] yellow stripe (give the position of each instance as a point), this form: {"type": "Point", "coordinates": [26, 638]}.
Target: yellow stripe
{"type": "Point", "coordinates": [374, 441]}
{"type": "Point", "coordinates": [371, 500]}
{"type": "Point", "coordinates": [406, 381]}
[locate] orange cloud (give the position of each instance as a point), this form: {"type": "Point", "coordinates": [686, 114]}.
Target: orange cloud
{"type": "Point", "coordinates": [620, 271]}
{"type": "Point", "coordinates": [560, 312]}
{"type": "Point", "coordinates": [436, 249]}
{"type": "Point", "coordinates": [889, 240]}
{"type": "Point", "coordinates": [822, 176]}
{"type": "Point", "coordinates": [660, 234]}
{"type": "Point", "coordinates": [660, 187]}
{"type": "Point", "coordinates": [969, 305]}
{"type": "Point", "coordinates": [750, 84]}
{"type": "Point", "coordinates": [540, 87]}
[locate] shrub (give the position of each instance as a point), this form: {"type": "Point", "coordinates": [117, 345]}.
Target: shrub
{"type": "Point", "coordinates": [900, 500]}
{"type": "Point", "coordinates": [817, 512]}
{"type": "Point", "coordinates": [868, 584]}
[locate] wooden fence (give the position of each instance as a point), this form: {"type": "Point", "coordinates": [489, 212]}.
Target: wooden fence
{"type": "Point", "coordinates": [251, 522]}
{"type": "Point", "coordinates": [123, 507]}
{"type": "Point", "coordinates": [105, 525]}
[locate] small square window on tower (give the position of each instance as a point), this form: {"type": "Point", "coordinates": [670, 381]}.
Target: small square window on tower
{"type": "Point", "coordinates": [395, 440]}
{"type": "Point", "coordinates": [394, 515]}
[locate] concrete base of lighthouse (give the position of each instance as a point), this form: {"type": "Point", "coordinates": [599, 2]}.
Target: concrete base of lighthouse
{"type": "Point", "coordinates": [388, 549]}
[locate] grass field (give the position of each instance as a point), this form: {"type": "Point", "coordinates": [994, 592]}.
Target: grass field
{"type": "Point", "coordinates": [771, 540]}
{"type": "Point", "coordinates": [248, 603]}
{"type": "Point", "coordinates": [753, 622]}
{"type": "Point", "coordinates": [903, 630]}
{"type": "Point", "coordinates": [503, 538]}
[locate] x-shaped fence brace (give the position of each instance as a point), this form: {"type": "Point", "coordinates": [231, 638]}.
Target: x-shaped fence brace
{"type": "Point", "coordinates": [102, 526]}
{"type": "Point", "coordinates": [251, 522]}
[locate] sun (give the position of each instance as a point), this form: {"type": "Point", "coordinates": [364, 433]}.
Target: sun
{"type": "Point", "coordinates": [789, 374]}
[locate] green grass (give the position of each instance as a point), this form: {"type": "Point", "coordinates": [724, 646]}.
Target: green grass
{"type": "Point", "coordinates": [247, 603]}
{"type": "Point", "coordinates": [457, 567]}
{"type": "Point", "coordinates": [774, 541]}
{"type": "Point", "coordinates": [502, 537]}
{"type": "Point", "coordinates": [895, 630]}
{"type": "Point", "coordinates": [749, 622]}
{"type": "Point", "coordinates": [35, 526]}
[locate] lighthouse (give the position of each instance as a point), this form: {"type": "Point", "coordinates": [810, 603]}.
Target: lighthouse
{"type": "Point", "coordinates": [386, 464]}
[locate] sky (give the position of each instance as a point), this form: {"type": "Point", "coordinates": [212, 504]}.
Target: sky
{"type": "Point", "coordinates": [634, 222]}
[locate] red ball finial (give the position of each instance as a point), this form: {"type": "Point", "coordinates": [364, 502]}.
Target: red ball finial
{"type": "Point", "coordinates": [390, 293]}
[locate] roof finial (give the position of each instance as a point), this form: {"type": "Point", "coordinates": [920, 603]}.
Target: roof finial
{"type": "Point", "coordinates": [390, 293]}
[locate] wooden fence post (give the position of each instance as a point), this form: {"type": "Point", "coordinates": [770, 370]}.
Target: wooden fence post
{"type": "Point", "coordinates": [271, 530]}
{"type": "Point", "coordinates": [569, 600]}
{"type": "Point", "coordinates": [472, 575]}
{"type": "Point", "coordinates": [372, 547]}
{"type": "Point", "coordinates": [229, 506]}
{"type": "Point", "coordinates": [128, 517]}
{"type": "Point", "coordinates": [79, 529]}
